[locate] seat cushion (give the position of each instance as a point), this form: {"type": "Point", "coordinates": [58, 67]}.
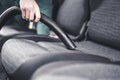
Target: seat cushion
{"type": "Point", "coordinates": [77, 70]}
{"type": "Point", "coordinates": [98, 49]}
{"type": "Point", "coordinates": [3, 74]}
{"type": "Point", "coordinates": [24, 49]}
{"type": "Point", "coordinates": [20, 49]}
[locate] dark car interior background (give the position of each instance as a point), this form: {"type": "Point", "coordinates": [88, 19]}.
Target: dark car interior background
{"type": "Point", "coordinates": [88, 47]}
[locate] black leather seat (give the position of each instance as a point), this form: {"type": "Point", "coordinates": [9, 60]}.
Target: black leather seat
{"type": "Point", "coordinates": [102, 39]}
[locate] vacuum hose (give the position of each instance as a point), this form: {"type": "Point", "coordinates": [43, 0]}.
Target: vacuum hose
{"type": "Point", "coordinates": [13, 11]}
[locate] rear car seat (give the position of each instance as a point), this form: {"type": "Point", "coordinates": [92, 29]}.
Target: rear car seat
{"type": "Point", "coordinates": [102, 39]}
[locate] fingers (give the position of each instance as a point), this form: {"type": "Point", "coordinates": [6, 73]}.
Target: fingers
{"type": "Point", "coordinates": [23, 13]}
{"type": "Point", "coordinates": [27, 17]}
{"type": "Point", "coordinates": [31, 16]}
{"type": "Point", "coordinates": [30, 10]}
{"type": "Point", "coordinates": [37, 16]}
{"type": "Point", "coordinates": [37, 12]}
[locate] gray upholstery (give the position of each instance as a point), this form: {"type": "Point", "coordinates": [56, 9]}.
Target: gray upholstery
{"type": "Point", "coordinates": [77, 70]}
{"type": "Point", "coordinates": [24, 50]}
{"type": "Point", "coordinates": [72, 15]}
{"type": "Point", "coordinates": [15, 52]}
{"type": "Point", "coordinates": [3, 74]}
{"type": "Point", "coordinates": [7, 30]}
{"type": "Point", "coordinates": [98, 49]}
{"type": "Point", "coordinates": [104, 24]}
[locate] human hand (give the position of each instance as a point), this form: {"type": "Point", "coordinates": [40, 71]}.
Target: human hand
{"type": "Point", "coordinates": [30, 10]}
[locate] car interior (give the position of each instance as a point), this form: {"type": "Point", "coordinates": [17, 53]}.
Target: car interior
{"type": "Point", "coordinates": [88, 47]}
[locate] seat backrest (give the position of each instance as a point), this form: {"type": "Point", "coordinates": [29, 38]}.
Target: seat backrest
{"type": "Point", "coordinates": [72, 14]}
{"type": "Point", "coordinates": [104, 24]}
